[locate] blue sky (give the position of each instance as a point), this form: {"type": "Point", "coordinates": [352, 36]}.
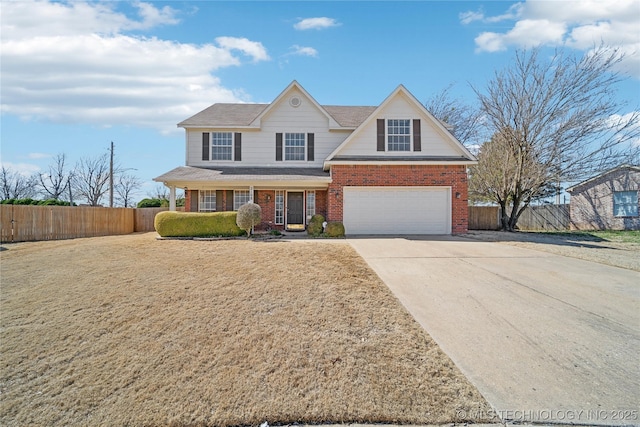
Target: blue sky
{"type": "Point", "coordinates": [78, 75]}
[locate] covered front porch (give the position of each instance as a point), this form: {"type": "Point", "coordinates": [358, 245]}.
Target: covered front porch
{"type": "Point", "coordinates": [289, 197]}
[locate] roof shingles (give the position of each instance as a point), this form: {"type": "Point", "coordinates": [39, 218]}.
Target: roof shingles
{"type": "Point", "coordinates": [233, 115]}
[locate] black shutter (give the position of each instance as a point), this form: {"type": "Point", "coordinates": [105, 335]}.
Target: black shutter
{"type": "Point", "coordinates": [310, 149]}
{"type": "Point", "coordinates": [417, 144]}
{"type": "Point", "coordinates": [205, 146]}
{"type": "Point", "coordinates": [194, 204]}
{"type": "Point", "coordinates": [278, 147]}
{"type": "Point", "coordinates": [381, 135]}
{"type": "Point", "coordinates": [229, 200]}
{"type": "Point", "coordinates": [237, 147]}
{"type": "Point", "coordinates": [219, 200]}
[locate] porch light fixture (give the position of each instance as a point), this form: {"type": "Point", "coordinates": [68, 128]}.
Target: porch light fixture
{"type": "Point", "coordinates": [457, 195]}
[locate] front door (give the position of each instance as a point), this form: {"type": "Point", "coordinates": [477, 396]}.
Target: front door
{"type": "Point", "coordinates": [295, 208]}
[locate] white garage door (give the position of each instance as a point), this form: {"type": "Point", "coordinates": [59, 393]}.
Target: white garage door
{"type": "Point", "coordinates": [397, 210]}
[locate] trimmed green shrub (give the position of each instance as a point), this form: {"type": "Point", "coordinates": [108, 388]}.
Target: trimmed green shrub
{"type": "Point", "coordinates": [150, 203]}
{"type": "Point", "coordinates": [334, 229]}
{"type": "Point", "coordinates": [249, 215]}
{"type": "Point", "coordinates": [30, 201]}
{"type": "Point", "coordinates": [315, 225]}
{"type": "Point", "coordinates": [196, 224]}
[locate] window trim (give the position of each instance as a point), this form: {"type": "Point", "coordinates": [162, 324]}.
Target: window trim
{"type": "Point", "coordinates": [212, 146]}
{"type": "Point", "coordinates": [633, 206]}
{"type": "Point", "coordinates": [201, 196]}
{"type": "Point", "coordinates": [409, 135]}
{"type": "Point", "coordinates": [302, 147]}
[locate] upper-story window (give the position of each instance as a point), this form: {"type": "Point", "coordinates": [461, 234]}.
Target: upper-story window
{"type": "Point", "coordinates": [221, 146]}
{"type": "Point", "coordinates": [294, 146]}
{"type": "Point", "coordinates": [398, 135]}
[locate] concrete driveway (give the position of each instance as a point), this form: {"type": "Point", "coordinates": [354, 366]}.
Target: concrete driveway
{"type": "Point", "coordinates": [545, 338]}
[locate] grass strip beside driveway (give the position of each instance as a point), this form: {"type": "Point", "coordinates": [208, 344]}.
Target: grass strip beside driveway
{"type": "Point", "coordinates": [129, 330]}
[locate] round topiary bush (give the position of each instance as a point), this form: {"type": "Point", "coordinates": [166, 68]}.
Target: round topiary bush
{"type": "Point", "coordinates": [315, 225]}
{"type": "Point", "coordinates": [334, 229]}
{"type": "Point", "coordinates": [249, 215]}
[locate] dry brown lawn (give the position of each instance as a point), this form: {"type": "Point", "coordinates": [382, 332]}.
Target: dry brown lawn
{"type": "Point", "coordinates": [130, 330]}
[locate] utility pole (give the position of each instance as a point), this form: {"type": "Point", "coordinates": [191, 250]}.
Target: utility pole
{"type": "Point", "coordinates": [111, 178]}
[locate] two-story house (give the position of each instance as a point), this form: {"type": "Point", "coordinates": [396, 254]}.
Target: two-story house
{"type": "Point", "coordinates": [386, 169]}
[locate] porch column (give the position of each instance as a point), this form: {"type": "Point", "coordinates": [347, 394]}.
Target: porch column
{"type": "Point", "coordinates": [172, 198]}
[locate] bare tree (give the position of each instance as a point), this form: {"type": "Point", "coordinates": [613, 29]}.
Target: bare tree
{"type": "Point", "coordinates": [461, 117]}
{"type": "Point", "coordinates": [14, 185]}
{"type": "Point", "coordinates": [54, 183]}
{"type": "Point", "coordinates": [553, 121]}
{"type": "Point", "coordinates": [159, 192]}
{"type": "Point", "coordinates": [125, 187]}
{"type": "Point", "coordinates": [91, 178]}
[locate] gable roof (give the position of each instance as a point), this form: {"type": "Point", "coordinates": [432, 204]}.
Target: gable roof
{"type": "Point", "coordinates": [600, 175]}
{"type": "Point", "coordinates": [464, 153]}
{"type": "Point", "coordinates": [242, 115]}
{"type": "Point", "coordinates": [294, 85]}
{"type": "Point", "coordinates": [218, 115]}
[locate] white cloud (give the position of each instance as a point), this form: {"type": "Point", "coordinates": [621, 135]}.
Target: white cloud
{"type": "Point", "coordinates": [254, 49]}
{"type": "Point", "coordinates": [24, 169]}
{"type": "Point", "coordinates": [315, 23]}
{"type": "Point", "coordinates": [578, 24]}
{"type": "Point", "coordinates": [526, 33]}
{"type": "Point", "coordinates": [38, 156]}
{"type": "Point", "coordinates": [73, 62]}
{"type": "Point", "coordinates": [303, 51]}
{"type": "Point", "coordinates": [471, 16]}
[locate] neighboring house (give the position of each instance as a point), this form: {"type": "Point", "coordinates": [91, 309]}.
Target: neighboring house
{"type": "Point", "coordinates": [608, 201]}
{"type": "Point", "coordinates": [387, 169]}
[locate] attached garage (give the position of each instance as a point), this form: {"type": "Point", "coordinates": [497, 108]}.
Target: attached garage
{"type": "Point", "coordinates": [397, 210]}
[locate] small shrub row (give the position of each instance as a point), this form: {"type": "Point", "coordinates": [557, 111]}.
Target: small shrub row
{"type": "Point", "coordinates": [30, 201]}
{"type": "Point", "coordinates": [332, 229]}
{"type": "Point", "coordinates": [196, 224]}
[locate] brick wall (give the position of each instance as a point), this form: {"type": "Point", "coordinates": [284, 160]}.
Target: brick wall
{"type": "Point", "coordinates": [592, 204]}
{"type": "Point", "coordinates": [454, 176]}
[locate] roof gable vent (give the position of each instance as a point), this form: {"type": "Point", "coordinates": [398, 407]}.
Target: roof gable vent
{"type": "Point", "coordinates": [295, 102]}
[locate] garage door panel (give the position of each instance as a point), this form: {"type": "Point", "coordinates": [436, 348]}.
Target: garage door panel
{"type": "Point", "coordinates": [397, 210]}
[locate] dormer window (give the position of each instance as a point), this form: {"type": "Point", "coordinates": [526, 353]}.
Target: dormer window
{"type": "Point", "coordinates": [398, 135]}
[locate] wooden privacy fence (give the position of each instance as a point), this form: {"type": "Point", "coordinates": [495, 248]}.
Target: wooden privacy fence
{"type": "Point", "coordinates": [546, 217]}
{"type": "Point", "coordinates": [144, 218]}
{"type": "Point", "coordinates": [22, 223]}
{"type": "Point", "coordinates": [484, 217]}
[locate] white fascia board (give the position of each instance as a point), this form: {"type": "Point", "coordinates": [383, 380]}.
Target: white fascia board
{"type": "Point", "coordinates": [328, 163]}
{"type": "Point", "coordinates": [219, 127]}
{"type": "Point", "coordinates": [320, 184]}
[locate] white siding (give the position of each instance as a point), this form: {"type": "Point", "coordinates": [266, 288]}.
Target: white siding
{"type": "Point", "coordinates": [259, 146]}
{"type": "Point", "coordinates": [434, 141]}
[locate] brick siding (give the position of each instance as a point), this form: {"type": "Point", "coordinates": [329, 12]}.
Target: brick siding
{"type": "Point", "coordinates": [454, 176]}
{"type": "Point", "coordinates": [591, 205]}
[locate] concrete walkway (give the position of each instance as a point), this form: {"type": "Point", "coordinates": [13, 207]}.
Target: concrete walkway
{"type": "Point", "coordinates": [545, 338]}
